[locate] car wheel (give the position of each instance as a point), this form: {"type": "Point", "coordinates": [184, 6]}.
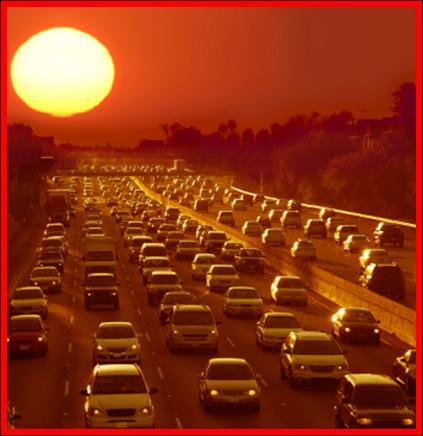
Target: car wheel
{"type": "Point", "coordinates": [282, 372]}
{"type": "Point", "coordinates": [338, 422]}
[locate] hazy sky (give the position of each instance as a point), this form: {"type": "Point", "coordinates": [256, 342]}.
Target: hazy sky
{"type": "Point", "coordinates": [203, 66]}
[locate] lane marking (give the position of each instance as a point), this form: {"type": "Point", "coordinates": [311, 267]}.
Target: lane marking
{"type": "Point", "coordinates": [178, 422]}
{"type": "Point", "coordinates": [73, 298]}
{"type": "Point", "coordinates": [124, 266]}
{"type": "Point", "coordinates": [75, 282]}
{"type": "Point", "coordinates": [66, 388]}
{"type": "Point", "coordinates": [132, 292]}
{"type": "Point", "coordinates": [230, 341]}
{"type": "Point", "coordinates": [147, 336]}
{"type": "Point", "coordinates": [127, 276]}
{"type": "Point", "coordinates": [139, 311]}
{"type": "Point", "coordinates": [159, 370]}
{"type": "Point", "coordinates": [72, 319]}
{"type": "Point", "coordinates": [69, 347]}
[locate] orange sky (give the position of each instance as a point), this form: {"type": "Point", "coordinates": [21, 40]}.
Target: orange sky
{"type": "Point", "coordinates": [202, 66]}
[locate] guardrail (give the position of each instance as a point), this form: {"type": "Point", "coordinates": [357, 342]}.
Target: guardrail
{"type": "Point", "coordinates": [342, 212]}
{"type": "Point", "coordinates": [394, 317]}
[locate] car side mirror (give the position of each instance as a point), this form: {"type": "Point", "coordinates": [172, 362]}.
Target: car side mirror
{"type": "Point", "coordinates": [153, 390]}
{"type": "Point", "coordinates": [84, 392]}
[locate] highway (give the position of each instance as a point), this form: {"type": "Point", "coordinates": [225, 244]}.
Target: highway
{"type": "Point", "coordinates": [46, 390]}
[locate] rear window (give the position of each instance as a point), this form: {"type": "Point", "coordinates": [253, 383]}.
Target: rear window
{"type": "Point", "coordinates": [217, 236]}
{"type": "Point", "coordinates": [165, 279]}
{"type": "Point", "coordinates": [387, 273]}
{"type": "Point", "coordinates": [379, 396]}
{"type": "Point", "coordinates": [223, 270]}
{"type": "Point", "coordinates": [154, 251]}
{"type": "Point", "coordinates": [193, 318]}
{"type": "Point", "coordinates": [290, 282]}
{"type": "Point", "coordinates": [27, 293]}
{"type": "Point", "coordinates": [205, 260]}
{"type": "Point", "coordinates": [243, 293]}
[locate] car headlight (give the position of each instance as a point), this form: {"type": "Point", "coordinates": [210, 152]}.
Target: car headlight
{"type": "Point", "coordinates": [175, 332]}
{"type": "Point", "coordinates": [8, 339]}
{"type": "Point", "coordinates": [300, 366]}
{"type": "Point", "coordinates": [213, 332]}
{"type": "Point", "coordinates": [376, 331]}
{"type": "Point", "coordinates": [41, 338]}
{"type": "Point", "coordinates": [213, 392]}
{"type": "Point", "coordinates": [100, 347]}
{"type": "Point", "coordinates": [89, 294]}
{"type": "Point", "coordinates": [408, 421]}
{"type": "Point", "coordinates": [53, 282]}
{"type": "Point", "coordinates": [347, 329]}
{"type": "Point", "coordinates": [134, 347]}
{"type": "Point", "coordinates": [364, 421]}
{"type": "Point", "coordinates": [147, 410]}
{"type": "Point", "coordinates": [252, 392]}
{"type": "Point", "coordinates": [94, 411]}
{"type": "Point", "coordinates": [341, 367]}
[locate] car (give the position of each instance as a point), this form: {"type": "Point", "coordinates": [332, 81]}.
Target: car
{"type": "Point", "coordinates": [273, 236]}
{"type": "Point", "coordinates": [27, 334]}
{"type": "Point", "coordinates": [154, 223]}
{"type": "Point", "coordinates": [187, 249]}
{"type": "Point", "coordinates": [221, 277]}
{"type": "Point", "coordinates": [371, 401]}
{"type": "Point", "coordinates": [118, 396]}
{"type": "Point", "coordinates": [373, 255]}
{"type": "Point", "coordinates": [326, 212]}
{"type": "Point", "coordinates": [268, 204]}
{"type": "Point", "coordinates": [226, 217]}
{"type": "Point", "coordinates": [356, 243]}
{"type": "Point", "coordinates": [252, 228]}
{"type": "Point", "coordinates": [173, 238]}
{"type": "Point", "coordinates": [12, 416]}
{"type": "Point", "coordinates": [54, 243]}
{"type": "Point", "coordinates": [343, 231]}
{"type": "Point", "coordinates": [116, 341]}
{"type": "Point", "coordinates": [130, 233]}
{"type": "Point", "coordinates": [258, 198]}
{"type": "Point", "coordinates": [217, 197]}
{"type": "Point", "coordinates": [274, 327]}
{"type": "Point", "coordinates": [238, 204]}
{"type": "Point", "coordinates": [51, 257]}
{"type": "Point", "coordinates": [170, 299]}
{"type": "Point", "coordinates": [201, 264]}
{"type": "Point", "coordinates": [215, 241]}
{"type": "Point", "coordinates": [164, 229]}
{"type": "Point", "coordinates": [200, 229]}
{"type": "Point", "coordinates": [135, 245]}
{"type": "Point", "coordinates": [333, 222]}
{"type": "Point", "coordinates": [294, 205]}
{"type": "Point", "coordinates": [192, 326]}
{"type": "Point", "coordinates": [101, 289]}
{"type": "Point", "coordinates": [275, 215]}
{"type": "Point", "coordinates": [190, 226]}
{"type": "Point", "coordinates": [311, 355]}
{"type": "Point", "coordinates": [264, 221]}
{"type": "Point", "coordinates": [161, 282]}
{"type": "Point", "coordinates": [149, 249]}
{"type": "Point", "coordinates": [385, 279]}
{"type": "Point", "coordinates": [181, 220]}
{"type": "Point", "coordinates": [28, 299]}
{"type": "Point", "coordinates": [229, 381]}
{"type": "Point", "coordinates": [242, 300]}
{"type": "Point", "coordinates": [404, 371]}
{"type": "Point", "coordinates": [54, 229]}
{"type": "Point", "coordinates": [249, 259]}
{"type": "Point", "coordinates": [47, 278]}
{"type": "Point", "coordinates": [387, 233]}
{"type": "Point", "coordinates": [248, 199]}
{"type": "Point", "coordinates": [355, 323]}
{"type": "Point", "coordinates": [315, 227]}
{"type": "Point", "coordinates": [303, 249]}
{"type": "Point", "coordinates": [230, 249]}
{"type": "Point", "coordinates": [201, 205]}
{"type": "Point", "coordinates": [154, 263]}
{"type": "Point", "coordinates": [291, 218]}
{"type": "Point", "coordinates": [289, 289]}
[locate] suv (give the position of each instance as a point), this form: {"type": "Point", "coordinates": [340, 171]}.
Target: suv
{"type": "Point", "coordinates": [192, 326]}
{"type": "Point", "coordinates": [388, 234]}
{"type": "Point", "coordinates": [371, 401]}
{"type": "Point", "coordinates": [226, 217]}
{"type": "Point", "coordinates": [161, 282]}
{"type": "Point", "coordinates": [249, 259]}
{"type": "Point", "coordinates": [101, 288]}
{"type": "Point", "coordinates": [221, 277]}
{"type": "Point", "coordinates": [385, 279]}
{"type": "Point", "coordinates": [315, 227]}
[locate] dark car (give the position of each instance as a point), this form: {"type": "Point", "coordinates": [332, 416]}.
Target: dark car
{"type": "Point", "coordinates": [371, 401]}
{"type": "Point", "coordinates": [404, 371]}
{"type": "Point", "coordinates": [201, 205]}
{"type": "Point", "coordinates": [294, 205]}
{"type": "Point", "coordinates": [264, 221]}
{"type": "Point", "coordinates": [355, 323]}
{"type": "Point", "coordinates": [249, 259]}
{"type": "Point", "coordinates": [326, 212]}
{"type": "Point", "coordinates": [315, 227]}
{"type": "Point", "coordinates": [101, 288]}
{"type": "Point", "coordinates": [386, 279]}
{"type": "Point", "coordinates": [386, 233]}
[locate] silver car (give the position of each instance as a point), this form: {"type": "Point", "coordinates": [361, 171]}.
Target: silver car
{"type": "Point", "coordinates": [242, 300]}
{"type": "Point", "coordinates": [201, 264]}
{"type": "Point", "coordinates": [28, 299]}
{"type": "Point", "coordinates": [274, 327]}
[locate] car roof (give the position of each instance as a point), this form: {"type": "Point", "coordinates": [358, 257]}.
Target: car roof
{"type": "Point", "coordinates": [26, 288]}
{"type": "Point", "coordinates": [227, 361]}
{"type": "Point", "coordinates": [164, 273]}
{"type": "Point", "coordinates": [287, 277]}
{"type": "Point", "coordinates": [100, 274]}
{"type": "Point", "coordinates": [312, 335]}
{"type": "Point", "coordinates": [154, 244]}
{"type": "Point", "coordinates": [354, 308]}
{"type": "Point", "coordinates": [211, 255]}
{"type": "Point", "coordinates": [117, 369]}
{"type": "Point", "coordinates": [279, 315]}
{"type": "Point", "coordinates": [26, 316]}
{"type": "Point", "coordinates": [115, 324]}
{"type": "Point", "coordinates": [233, 288]}
{"type": "Point", "coordinates": [368, 378]}
{"type": "Point", "coordinates": [192, 307]}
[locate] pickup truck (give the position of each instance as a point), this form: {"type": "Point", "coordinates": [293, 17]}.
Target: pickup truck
{"type": "Point", "coordinates": [249, 259]}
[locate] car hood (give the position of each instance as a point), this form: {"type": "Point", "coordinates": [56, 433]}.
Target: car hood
{"type": "Point", "coordinates": [232, 385]}
{"type": "Point", "coordinates": [196, 329]}
{"type": "Point", "coordinates": [29, 302]}
{"type": "Point", "coordinates": [113, 343]}
{"type": "Point", "coordinates": [120, 401]}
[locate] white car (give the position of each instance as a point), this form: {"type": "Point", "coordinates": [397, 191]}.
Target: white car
{"type": "Point", "coordinates": [242, 300]}
{"type": "Point", "coordinates": [221, 277]}
{"type": "Point", "coordinates": [288, 289]}
{"type": "Point", "coordinates": [273, 236]}
{"type": "Point", "coordinates": [27, 300]}
{"type": "Point", "coordinates": [230, 249]}
{"type": "Point", "coordinates": [187, 249]}
{"type": "Point", "coordinates": [303, 249]}
{"type": "Point", "coordinates": [201, 264]}
{"type": "Point", "coordinates": [154, 263]}
{"type": "Point", "coordinates": [291, 218]}
{"type": "Point", "coordinates": [117, 396]}
{"type": "Point", "coordinates": [356, 243]}
{"type": "Point", "coordinates": [115, 342]}
{"type": "Point", "coordinates": [252, 228]}
{"type": "Point", "coordinates": [307, 355]}
{"type": "Point", "coordinates": [274, 327]}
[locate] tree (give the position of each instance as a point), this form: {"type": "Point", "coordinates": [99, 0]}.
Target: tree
{"type": "Point", "coordinates": [404, 109]}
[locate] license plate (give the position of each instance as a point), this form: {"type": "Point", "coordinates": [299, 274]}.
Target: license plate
{"type": "Point", "coordinates": [233, 400]}
{"type": "Point", "coordinates": [24, 347]}
{"type": "Point", "coordinates": [121, 425]}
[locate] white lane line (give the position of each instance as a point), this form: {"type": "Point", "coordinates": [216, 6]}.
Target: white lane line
{"type": "Point", "coordinates": [75, 282]}
{"type": "Point", "coordinates": [147, 336]}
{"type": "Point", "coordinates": [124, 266]}
{"type": "Point", "coordinates": [72, 319]}
{"type": "Point", "coordinates": [127, 276]}
{"type": "Point", "coordinates": [132, 292]}
{"type": "Point", "coordinates": [73, 298]}
{"type": "Point", "coordinates": [178, 422]}
{"type": "Point", "coordinates": [69, 347]}
{"type": "Point", "coordinates": [159, 370]}
{"type": "Point", "coordinates": [66, 388]}
{"type": "Point", "coordinates": [139, 311]}
{"type": "Point", "coordinates": [230, 341]}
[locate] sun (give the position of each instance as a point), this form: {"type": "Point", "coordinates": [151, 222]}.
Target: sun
{"type": "Point", "coordinates": [62, 71]}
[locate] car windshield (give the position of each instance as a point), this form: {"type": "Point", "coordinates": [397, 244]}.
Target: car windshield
{"type": "Point", "coordinates": [388, 274]}
{"type": "Point", "coordinates": [379, 396]}
{"type": "Point", "coordinates": [188, 245]}
{"type": "Point", "coordinates": [290, 282]}
{"type": "Point", "coordinates": [274, 233]}
{"type": "Point", "coordinates": [224, 270]}
{"type": "Point", "coordinates": [100, 255]}
{"type": "Point", "coordinates": [205, 260]}
{"type": "Point", "coordinates": [23, 294]}
{"type": "Point", "coordinates": [250, 253]}
{"type": "Point", "coordinates": [115, 332]}
{"type": "Point", "coordinates": [233, 246]}
{"type": "Point", "coordinates": [47, 272]}
{"type": "Point", "coordinates": [155, 251]}
{"type": "Point", "coordinates": [25, 325]}
{"type": "Point", "coordinates": [243, 293]}
{"type": "Point", "coordinates": [359, 238]}
{"type": "Point", "coordinates": [156, 262]}
{"type": "Point", "coordinates": [134, 230]}
{"type": "Point", "coordinates": [217, 236]}
{"type": "Point", "coordinates": [229, 371]}
{"type": "Point", "coordinates": [138, 242]}
{"type": "Point", "coordinates": [105, 280]}
{"type": "Point", "coordinates": [316, 347]}
{"type": "Point", "coordinates": [119, 384]}
{"type": "Point", "coordinates": [48, 255]}
{"type": "Point", "coordinates": [175, 235]}
{"type": "Point", "coordinates": [358, 316]}
{"type": "Point", "coordinates": [282, 322]}
{"type": "Point", "coordinates": [181, 299]}
{"type": "Point", "coordinates": [165, 279]}
{"type": "Point", "coordinates": [193, 318]}
{"type": "Point", "coordinates": [51, 243]}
